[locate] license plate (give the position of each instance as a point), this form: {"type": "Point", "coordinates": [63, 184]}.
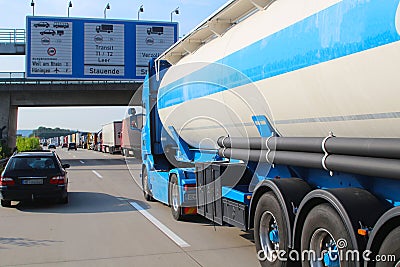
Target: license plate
{"type": "Point", "coordinates": [32, 181]}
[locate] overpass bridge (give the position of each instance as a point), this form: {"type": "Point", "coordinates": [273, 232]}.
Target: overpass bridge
{"type": "Point", "coordinates": [17, 91]}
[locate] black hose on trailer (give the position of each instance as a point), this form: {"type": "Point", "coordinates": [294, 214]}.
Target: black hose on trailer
{"type": "Point", "coordinates": [366, 147]}
{"type": "Point", "coordinates": [370, 166]}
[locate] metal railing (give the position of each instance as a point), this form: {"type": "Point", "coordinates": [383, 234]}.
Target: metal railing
{"type": "Point", "coordinates": [15, 36]}
{"type": "Point", "coordinates": [19, 78]}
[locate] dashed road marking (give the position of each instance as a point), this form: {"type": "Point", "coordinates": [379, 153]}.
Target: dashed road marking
{"type": "Point", "coordinates": [174, 237]}
{"type": "Point", "coordinates": [97, 174]}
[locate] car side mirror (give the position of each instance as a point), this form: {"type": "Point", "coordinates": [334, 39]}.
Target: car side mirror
{"type": "Point", "coordinates": [66, 166]}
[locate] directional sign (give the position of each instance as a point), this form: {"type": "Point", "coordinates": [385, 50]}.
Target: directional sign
{"type": "Point", "coordinates": [51, 47]}
{"type": "Point", "coordinates": [70, 48]}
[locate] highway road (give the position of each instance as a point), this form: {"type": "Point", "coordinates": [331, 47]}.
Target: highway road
{"type": "Point", "coordinates": [107, 222]}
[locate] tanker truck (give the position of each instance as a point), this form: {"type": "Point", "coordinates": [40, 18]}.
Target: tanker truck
{"type": "Point", "coordinates": [282, 118]}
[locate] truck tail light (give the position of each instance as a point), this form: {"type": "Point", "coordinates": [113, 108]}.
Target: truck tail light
{"type": "Point", "coordinates": [188, 187]}
{"type": "Point", "coordinates": [6, 181]}
{"type": "Point", "coordinates": [58, 180]}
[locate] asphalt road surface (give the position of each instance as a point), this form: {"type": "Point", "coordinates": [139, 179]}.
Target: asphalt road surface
{"type": "Point", "coordinates": [107, 222]}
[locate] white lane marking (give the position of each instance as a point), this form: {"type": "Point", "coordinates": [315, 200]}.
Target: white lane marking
{"type": "Point", "coordinates": [179, 241]}
{"type": "Point", "coordinates": [81, 161]}
{"type": "Point", "coordinates": [97, 174]}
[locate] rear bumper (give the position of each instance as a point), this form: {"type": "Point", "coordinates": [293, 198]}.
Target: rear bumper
{"type": "Point", "coordinates": [18, 195]}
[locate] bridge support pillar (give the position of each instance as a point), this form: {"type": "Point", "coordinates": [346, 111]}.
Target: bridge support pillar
{"type": "Point", "coordinates": [8, 120]}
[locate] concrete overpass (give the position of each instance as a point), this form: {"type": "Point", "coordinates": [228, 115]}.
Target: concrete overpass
{"type": "Point", "coordinates": [16, 91]}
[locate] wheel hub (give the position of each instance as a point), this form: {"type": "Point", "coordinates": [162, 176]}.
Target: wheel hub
{"type": "Point", "coordinates": [324, 246]}
{"type": "Point", "coordinates": [175, 193]}
{"type": "Point", "coordinates": [269, 235]}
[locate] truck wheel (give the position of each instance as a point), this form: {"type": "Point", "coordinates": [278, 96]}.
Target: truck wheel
{"type": "Point", "coordinates": [6, 203]}
{"type": "Point", "coordinates": [270, 230]}
{"type": "Point", "coordinates": [325, 234]}
{"type": "Point", "coordinates": [390, 246]}
{"type": "Point", "coordinates": [174, 198]}
{"type": "Point", "coordinates": [145, 185]}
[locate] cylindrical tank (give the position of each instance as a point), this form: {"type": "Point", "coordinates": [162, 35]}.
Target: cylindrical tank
{"type": "Point", "coordinates": [309, 67]}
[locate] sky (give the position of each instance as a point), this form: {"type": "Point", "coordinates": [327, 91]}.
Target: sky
{"type": "Point", "coordinates": [13, 15]}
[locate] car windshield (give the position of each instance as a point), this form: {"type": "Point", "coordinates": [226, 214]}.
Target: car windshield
{"type": "Point", "coordinates": [31, 163]}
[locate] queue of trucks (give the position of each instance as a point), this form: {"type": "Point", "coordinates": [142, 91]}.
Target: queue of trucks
{"type": "Point", "coordinates": [115, 137]}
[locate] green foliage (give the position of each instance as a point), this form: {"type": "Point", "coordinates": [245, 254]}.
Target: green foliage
{"type": "Point", "coordinates": [4, 153]}
{"type": "Point", "coordinates": [4, 150]}
{"type": "Point", "coordinates": [27, 143]}
{"type": "Point", "coordinates": [45, 133]}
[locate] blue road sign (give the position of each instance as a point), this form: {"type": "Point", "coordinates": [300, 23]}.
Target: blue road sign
{"type": "Point", "coordinates": [76, 48]}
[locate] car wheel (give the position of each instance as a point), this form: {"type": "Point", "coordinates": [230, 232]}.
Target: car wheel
{"type": "Point", "coordinates": [6, 203]}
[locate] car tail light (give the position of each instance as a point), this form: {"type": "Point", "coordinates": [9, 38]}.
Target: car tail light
{"type": "Point", "coordinates": [188, 187]}
{"type": "Point", "coordinates": [60, 180]}
{"type": "Point", "coordinates": [6, 181]}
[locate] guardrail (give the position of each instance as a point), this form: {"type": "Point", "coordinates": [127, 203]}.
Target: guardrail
{"type": "Point", "coordinates": [19, 78]}
{"type": "Point", "coordinates": [16, 36]}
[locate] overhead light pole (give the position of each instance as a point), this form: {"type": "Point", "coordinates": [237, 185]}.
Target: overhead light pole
{"type": "Point", "coordinates": [176, 11]}
{"type": "Point", "coordinates": [69, 6]}
{"type": "Point", "coordinates": [140, 10]}
{"type": "Point", "coordinates": [105, 10]}
{"type": "Point", "coordinates": [33, 8]}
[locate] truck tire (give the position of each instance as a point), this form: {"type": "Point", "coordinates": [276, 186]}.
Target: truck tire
{"type": "Point", "coordinates": [269, 220]}
{"type": "Point", "coordinates": [6, 203]}
{"type": "Point", "coordinates": [390, 246]}
{"type": "Point", "coordinates": [145, 185]}
{"type": "Point", "coordinates": [323, 230]}
{"type": "Point", "coordinates": [174, 198]}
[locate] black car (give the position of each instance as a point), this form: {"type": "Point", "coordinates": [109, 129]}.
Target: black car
{"type": "Point", "coordinates": [34, 175]}
{"type": "Point", "coordinates": [48, 31]}
{"type": "Point", "coordinates": [51, 146]}
{"type": "Point", "coordinates": [72, 146]}
{"type": "Point", "coordinates": [41, 24]}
